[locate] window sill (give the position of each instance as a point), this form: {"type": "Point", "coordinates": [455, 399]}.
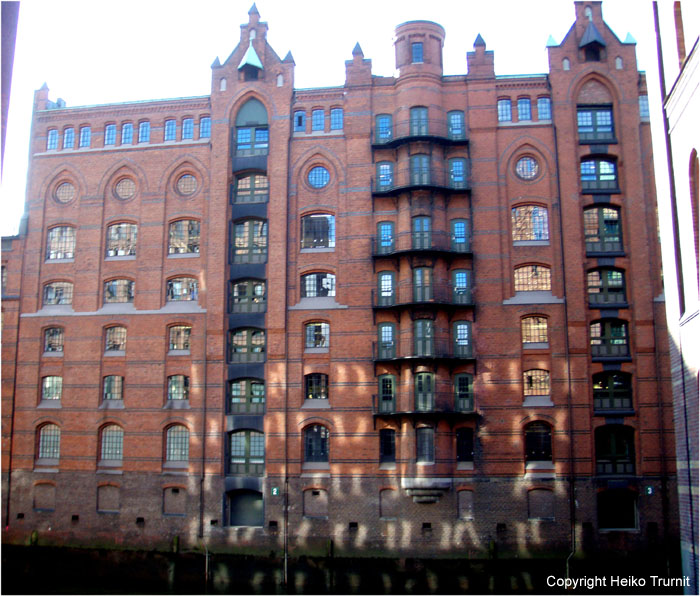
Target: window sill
{"type": "Point", "coordinates": [176, 467]}
{"type": "Point", "coordinates": [111, 404]}
{"type": "Point", "coordinates": [317, 303]}
{"type": "Point", "coordinates": [465, 465]}
{"type": "Point", "coordinates": [46, 464]}
{"type": "Point", "coordinates": [387, 465]}
{"type": "Point", "coordinates": [320, 465]}
{"type": "Point", "coordinates": [49, 404]}
{"type": "Point", "coordinates": [115, 353]}
{"type": "Point", "coordinates": [54, 354]}
{"type": "Point", "coordinates": [530, 242]}
{"type": "Point", "coordinates": [317, 350]}
{"type": "Point", "coordinates": [540, 345]}
{"type": "Point", "coordinates": [534, 297]}
{"type": "Point", "coordinates": [319, 249]}
{"type": "Point", "coordinates": [178, 352]}
{"type": "Point", "coordinates": [110, 466]}
{"type": "Point", "coordinates": [538, 401]}
{"type": "Point", "coordinates": [59, 261]}
{"type": "Point", "coordinates": [121, 258]}
{"type": "Point", "coordinates": [177, 404]}
{"type": "Point", "coordinates": [183, 255]}
{"type": "Point", "coordinates": [315, 404]}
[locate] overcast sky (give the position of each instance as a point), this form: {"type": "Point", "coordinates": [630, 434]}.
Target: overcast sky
{"type": "Point", "coordinates": [93, 52]}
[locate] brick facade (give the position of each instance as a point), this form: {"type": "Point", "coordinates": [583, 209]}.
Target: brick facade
{"type": "Point", "coordinates": [428, 297]}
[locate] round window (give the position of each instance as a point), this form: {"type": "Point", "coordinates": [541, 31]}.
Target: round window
{"type": "Point", "coordinates": [186, 184]}
{"type": "Point", "coordinates": [319, 177]}
{"type": "Point", "coordinates": [527, 168]}
{"type": "Point", "coordinates": [125, 188]}
{"type": "Point", "coordinates": [65, 192]}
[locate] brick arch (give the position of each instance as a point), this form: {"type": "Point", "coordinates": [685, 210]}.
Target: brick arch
{"type": "Point", "coordinates": [63, 173]}
{"type": "Point", "coordinates": [321, 156]}
{"type": "Point", "coordinates": [118, 170]}
{"type": "Point", "coordinates": [522, 147]}
{"type": "Point", "coordinates": [604, 88]}
{"type": "Point", "coordinates": [239, 100]}
{"type": "Point", "coordinates": [184, 164]}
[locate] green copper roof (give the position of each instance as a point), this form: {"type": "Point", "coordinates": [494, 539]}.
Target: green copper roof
{"type": "Point", "coordinates": [551, 42]}
{"type": "Point", "coordinates": [250, 58]}
{"type": "Point", "coordinates": [630, 39]}
{"type": "Point", "coordinates": [591, 35]}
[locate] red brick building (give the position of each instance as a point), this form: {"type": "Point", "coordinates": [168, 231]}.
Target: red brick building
{"type": "Point", "coordinates": [425, 311]}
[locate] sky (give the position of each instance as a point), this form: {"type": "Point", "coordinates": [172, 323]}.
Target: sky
{"type": "Point", "coordinates": [94, 52]}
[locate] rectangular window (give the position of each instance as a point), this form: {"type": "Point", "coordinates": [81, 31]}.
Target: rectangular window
{"type": "Point", "coordinates": [204, 127]}
{"type": "Point", "coordinates": [250, 241]}
{"type": "Point", "coordinates": [595, 124]}
{"type": "Point", "coordinates": [534, 330]}
{"type": "Point", "coordinates": [60, 243]}
{"type": "Point", "coordinates": [144, 132]}
{"type": "Point", "coordinates": [115, 339]}
{"type": "Point", "coordinates": [644, 107]}
{"type": "Point", "coordinates": [300, 121]}
{"type": "Point", "coordinates": [318, 120]}
{"type": "Point", "coordinates": [504, 110]}
{"type": "Point", "coordinates": [524, 109]}
{"type": "Point", "coordinates": [179, 337]}
{"type": "Point", "coordinates": [51, 388]}
{"type": "Point", "coordinates": [337, 119]}
{"type": "Point", "coordinates": [127, 133]}
{"type": "Point", "coordinates": [531, 278]}
{"type": "Point", "coordinates": [315, 285]}
{"type": "Point", "coordinates": [544, 108]}
{"type": "Point", "coordinates": [53, 339]}
{"type": "Point", "coordinates": [170, 127]}
{"type": "Point", "coordinates": [113, 387]}
{"type": "Point", "coordinates": [110, 134]}
{"type": "Point", "coordinates": [178, 387]}
{"type": "Point", "coordinates": [188, 128]}
{"type": "Point", "coordinates": [318, 231]}
{"type": "Point", "coordinates": [317, 335]}
{"type": "Point", "coordinates": [529, 222]}
{"type": "Point", "coordinates": [68, 138]}
{"type": "Point", "coordinates": [316, 386]}
{"type": "Point", "coordinates": [84, 136]}
{"type": "Point", "coordinates": [416, 52]}
{"type": "Point", "coordinates": [121, 240]}
{"type": "Point", "coordinates": [52, 140]}
{"type": "Point", "coordinates": [425, 445]}
{"type": "Point", "coordinates": [58, 292]}
{"type": "Point", "coordinates": [387, 445]}
{"type": "Point", "coordinates": [119, 290]}
{"type": "Point", "coordinates": [183, 237]}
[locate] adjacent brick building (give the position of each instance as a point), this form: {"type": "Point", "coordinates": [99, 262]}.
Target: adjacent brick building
{"type": "Point", "coordinates": [424, 311]}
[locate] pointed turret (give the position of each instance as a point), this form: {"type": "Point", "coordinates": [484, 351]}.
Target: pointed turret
{"type": "Point", "coordinates": [479, 41]}
{"type": "Point", "coordinates": [357, 50]}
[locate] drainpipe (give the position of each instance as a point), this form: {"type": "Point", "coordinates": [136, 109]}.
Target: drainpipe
{"type": "Point", "coordinates": [572, 471]}
{"type": "Point", "coordinates": [204, 436]}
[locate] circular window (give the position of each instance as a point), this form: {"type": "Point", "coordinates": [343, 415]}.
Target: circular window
{"type": "Point", "coordinates": [125, 188]}
{"type": "Point", "coordinates": [527, 168]}
{"type": "Point", "coordinates": [186, 184]}
{"type": "Point", "coordinates": [319, 177]}
{"type": "Point", "coordinates": [65, 192]}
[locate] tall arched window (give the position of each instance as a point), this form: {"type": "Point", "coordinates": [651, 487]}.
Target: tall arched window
{"type": "Point", "coordinates": [112, 443]}
{"type": "Point", "coordinates": [538, 442]}
{"type": "Point", "coordinates": [49, 440]}
{"type": "Point", "coordinates": [316, 444]}
{"type": "Point", "coordinates": [177, 444]}
{"type": "Point", "coordinates": [252, 134]}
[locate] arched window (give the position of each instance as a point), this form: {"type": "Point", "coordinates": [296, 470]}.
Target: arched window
{"type": "Point", "coordinates": [465, 445]}
{"type": "Point", "coordinates": [52, 140]}
{"type": "Point", "coordinates": [461, 286]}
{"type": "Point", "coordinates": [183, 237]}
{"type": "Point", "coordinates": [316, 444]}
{"type": "Point", "coordinates": [529, 222]}
{"type": "Point", "coordinates": [421, 232]}
{"type": "Point", "coordinates": [177, 444]}
{"type": "Point", "coordinates": [387, 446]}
{"type": "Point", "coordinates": [246, 396]}
{"type": "Point", "coordinates": [609, 338]}
{"type": "Point", "coordinates": [316, 386]}
{"type": "Point", "coordinates": [420, 169]}
{"type": "Point", "coordinates": [455, 125]}
{"type": "Point", "coordinates": [178, 387]}
{"type": "Point", "coordinates": [614, 450]}
{"type": "Point", "coordinates": [58, 293]}
{"type": "Point", "coordinates": [179, 337]}
{"type": "Point", "coordinates": [316, 285]}
{"type": "Point", "coordinates": [419, 120]}
{"type": "Point", "coordinates": [538, 442]}
{"type": "Point", "coordinates": [113, 387]}
{"type": "Point", "coordinates": [458, 172]}
{"type": "Point", "coordinates": [182, 289]}
{"type": "Point", "coordinates": [386, 341]}
{"type": "Point", "coordinates": [49, 442]}
{"type": "Point", "coordinates": [606, 286]}
{"type": "Point", "coordinates": [247, 344]}
{"type": "Point", "coordinates": [247, 452]}
{"type": "Point", "coordinates": [251, 188]}
{"type": "Point", "coordinates": [112, 443]}
{"type": "Point", "coordinates": [384, 130]}
{"type": "Point", "coordinates": [386, 289]}
{"type": "Point", "coordinates": [118, 291]}
{"type": "Point", "coordinates": [387, 393]}
{"type": "Point", "coordinates": [386, 238]}
{"type": "Point", "coordinates": [599, 175]}
{"type": "Point", "coordinates": [51, 387]}
{"type": "Point", "coordinates": [425, 445]}
{"type": "Point", "coordinates": [252, 134]}
{"type": "Point", "coordinates": [536, 382]}
{"type": "Point", "coordinates": [53, 339]}
{"type": "Point", "coordinates": [423, 337]}
{"type": "Point", "coordinates": [602, 230]}
{"type": "Point", "coordinates": [318, 231]}
{"type": "Point", "coordinates": [459, 235]}
{"type": "Point", "coordinates": [317, 335]}
{"type": "Point", "coordinates": [422, 284]}
{"type": "Point", "coordinates": [464, 392]}
{"type": "Point", "coordinates": [462, 339]}
{"type": "Point", "coordinates": [60, 243]}
{"type": "Point", "coordinates": [612, 391]}
{"type": "Point", "coordinates": [121, 240]}
{"type": "Point", "coordinates": [530, 278]}
{"type": "Point", "coordinates": [534, 330]}
{"type": "Point", "coordinates": [385, 175]}
{"type": "Point", "coordinates": [424, 391]}
{"type": "Point", "coordinates": [248, 295]}
{"type": "Point", "coordinates": [250, 241]}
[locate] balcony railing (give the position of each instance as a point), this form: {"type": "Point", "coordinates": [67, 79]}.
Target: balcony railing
{"type": "Point", "coordinates": [410, 402]}
{"type": "Point", "coordinates": [407, 130]}
{"type": "Point", "coordinates": [249, 356]}
{"type": "Point", "coordinates": [614, 467]}
{"type": "Point", "coordinates": [612, 245]}
{"type": "Point", "coordinates": [249, 304]}
{"type": "Point", "coordinates": [421, 348]}
{"type": "Point", "coordinates": [247, 469]}
{"type": "Point", "coordinates": [607, 298]}
{"type": "Point", "coordinates": [437, 293]}
{"type": "Point", "coordinates": [247, 407]}
{"type": "Point", "coordinates": [430, 177]}
{"type": "Point", "coordinates": [420, 241]}
{"type": "Point", "coordinates": [612, 400]}
{"type": "Point", "coordinates": [601, 186]}
{"type": "Point", "coordinates": [610, 349]}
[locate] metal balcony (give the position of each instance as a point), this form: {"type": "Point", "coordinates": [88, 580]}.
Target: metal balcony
{"type": "Point", "coordinates": [421, 242]}
{"type": "Point", "coordinates": [421, 349]}
{"type": "Point", "coordinates": [430, 178]}
{"type": "Point", "coordinates": [445, 294]}
{"type": "Point", "coordinates": [430, 404]}
{"type": "Point", "coordinates": [407, 131]}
